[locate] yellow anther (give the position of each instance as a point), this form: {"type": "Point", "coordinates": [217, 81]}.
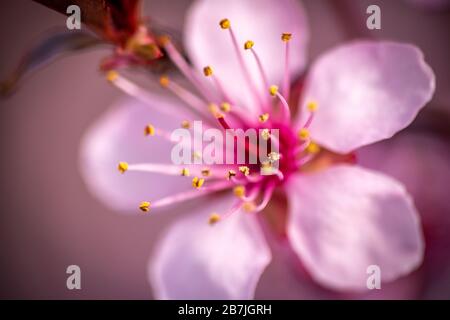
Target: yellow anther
{"type": "Point", "coordinates": [149, 130]}
{"type": "Point", "coordinates": [263, 117]}
{"type": "Point", "coordinates": [303, 134]}
{"type": "Point", "coordinates": [146, 51]}
{"type": "Point", "coordinates": [249, 206]}
{"type": "Point", "coordinates": [225, 107]}
{"type": "Point", "coordinates": [207, 71]}
{"type": "Point", "coordinates": [196, 155]}
{"type": "Point", "coordinates": [273, 90]}
{"type": "Point", "coordinates": [214, 109]}
{"type": "Point", "coordinates": [144, 206]}
{"type": "Point", "coordinates": [312, 106]}
{"type": "Point", "coordinates": [213, 218]}
{"type": "Point", "coordinates": [266, 165]}
{"type": "Point", "coordinates": [164, 81]}
{"type": "Point", "coordinates": [163, 40]}
{"type": "Point", "coordinates": [123, 166]}
{"type": "Point", "coordinates": [274, 156]}
{"type": "Point", "coordinates": [206, 172]}
{"type": "Point", "coordinates": [185, 124]}
{"type": "Point", "coordinates": [239, 191]}
{"type": "Point", "coordinates": [286, 36]}
{"type": "Point", "coordinates": [230, 174]}
{"type": "Point", "coordinates": [244, 170]}
{"type": "Point", "coordinates": [185, 172]}
{"type": "Point", "coordinates": [312, 148]}
{"type": "Point", "coordinates": [266, 168]}
{"type": "Point", "coordinates": [248, 44]}
{"type": "Point", "coordinates": [112, 75]}
{"type": "Point", "coordinates": [197, 182]}
{"type": "Point", "coordinates": [265, 134]}
{"type": "Point", "coordinates": [224, 23]}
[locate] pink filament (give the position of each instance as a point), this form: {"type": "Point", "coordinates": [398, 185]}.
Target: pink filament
{"type": "Point", "coordinates": [188, 97]}
{"type": "Point", "coordinates": [305, 159]}
{"type": "Point", "coordinates": [244, 68]}
{"type": "Point", "coordinates": [191, 194]}
{"type": "Point", "coordinates": [286, 111]}
{"type": "Point", "coordinates": [235, 208]}
{"type": "Point", "coordinates": [266, 197]}
{"type": "Point", "coordinates": [309, 120]}
{"type": "Point", "coordinates": [183, 66]}
{"type": "Point", "coordinates": [263, 75]}
{"type": "Point", "coordinates": [221, 89]}
{"type": "Point", "coordinates": [286, 78]}
{"type": "Point", "coordinates": [137, 92]}
{"type": "Point", "coordinates": [168, 169]}
{"type": "Point", "coordinates": [224, 123]}
{"type": "Point", "coordinates": [252, 195]}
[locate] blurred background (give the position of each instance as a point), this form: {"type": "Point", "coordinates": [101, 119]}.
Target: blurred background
{"type": "Point", "coordinates": [49, 220]}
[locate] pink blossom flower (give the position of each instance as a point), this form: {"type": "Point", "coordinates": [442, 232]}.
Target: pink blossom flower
{"type": "Point", "coordinates": [341, 218]}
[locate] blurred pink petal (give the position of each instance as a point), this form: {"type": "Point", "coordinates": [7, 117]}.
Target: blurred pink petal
{"type": "Point", "coordinates": [262, 21]}
{"type": "Point", "coordinates": [346, 218]}
{"type": "Point", "coordinates": [400, 22]}
{"type": "Point", "coordinates": [421, 163]}
{"type": "Point", "coordinates": [286, 278]}
{"type": "Point", "coordinates": [195, 260]}
{"type": "Point", "coordinates": [119, 136]}
{"type": "Point", "coordinates": [367, 91]}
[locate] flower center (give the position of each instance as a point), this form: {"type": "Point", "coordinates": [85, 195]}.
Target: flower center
{"type": "Point", "coordinates": [253, 183]}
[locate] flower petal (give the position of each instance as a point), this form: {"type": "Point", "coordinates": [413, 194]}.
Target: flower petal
{"type": "Point", "coordinates": [345, 219]}
{"type": "Point", "coordinates": [286, 278]}
{"type": "Point", "coordinates": [262, 21]}
{"type": "Point", "coordinates": [367, 91]}
{"type": "Point", "coordinates": [119, 136]}
{"type": "Point", "coordinates": [421, 162]}
{"type": "Point", "coordinates": [195, 260]}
